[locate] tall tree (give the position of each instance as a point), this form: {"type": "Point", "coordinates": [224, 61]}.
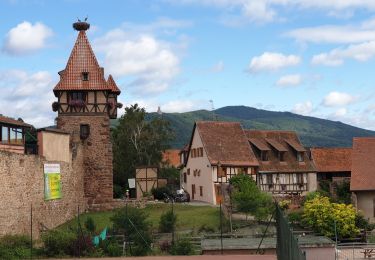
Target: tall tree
{"type": "Point", "coordinates": [138, 142]}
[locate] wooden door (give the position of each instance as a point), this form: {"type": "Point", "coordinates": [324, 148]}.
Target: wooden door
{"type": "Point", "coordinates": [192, 191]}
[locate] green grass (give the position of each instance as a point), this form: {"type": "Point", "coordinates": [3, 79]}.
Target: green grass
{"type": "Point", "coordinates": [188, 217]}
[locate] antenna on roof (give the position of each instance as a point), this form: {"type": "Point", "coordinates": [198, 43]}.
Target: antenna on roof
{"type": "Point", "coordinates": [214, 117]}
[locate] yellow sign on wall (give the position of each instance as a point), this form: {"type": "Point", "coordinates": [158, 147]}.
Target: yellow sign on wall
{"type": "Point", "coordinates": [52, 182]}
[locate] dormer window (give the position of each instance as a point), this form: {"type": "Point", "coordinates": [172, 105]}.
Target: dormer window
{"type": "Point", "coordinates": [85, 76]}
{"type": "Point", "coordinates": [264, 155]}
{"type": "Point", "coordinates": [300, 156]}
{"type": "Point", "coordinates": [282, 156]}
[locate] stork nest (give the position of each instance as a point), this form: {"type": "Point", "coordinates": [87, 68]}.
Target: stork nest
{"type": "Point", "coordinates": [81, 26]}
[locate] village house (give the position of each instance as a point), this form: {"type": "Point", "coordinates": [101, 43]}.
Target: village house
{"type": "Point", "coordinates": [333, 166]}
{"type": "Point", "coordinates": [362, 181]}
{"type": "Point", "coordinates": [284, 166]}
{"type": "Point", "coordinates": [220, 150]}
{"type": "Point", "coordinates": [217, 151]}
{"type": "Point", "coordinates": [12, 134]}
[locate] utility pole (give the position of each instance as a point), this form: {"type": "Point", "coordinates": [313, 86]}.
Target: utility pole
{"type": "Point", "coordinates": [221, 230]}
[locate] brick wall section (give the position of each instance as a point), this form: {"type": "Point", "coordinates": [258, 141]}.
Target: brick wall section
{"type": "Point", "coordinates": [22, 185]}
{"type": "Point", "coordinates": [97, 155]}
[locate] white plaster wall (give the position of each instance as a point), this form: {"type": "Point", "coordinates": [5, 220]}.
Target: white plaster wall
{"type": "Point", "coordinates": [205, 178]}
{"type": "Point", "coordinates": [365, 204]}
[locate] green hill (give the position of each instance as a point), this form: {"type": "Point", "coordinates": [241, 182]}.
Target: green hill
{"type": "Point", "coordinates": [312, 131]}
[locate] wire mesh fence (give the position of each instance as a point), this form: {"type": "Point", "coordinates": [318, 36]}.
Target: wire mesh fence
{"type": "Point", "coordinates": [352, 251]}
{"type": "Point", "coordinates": [287, 247]}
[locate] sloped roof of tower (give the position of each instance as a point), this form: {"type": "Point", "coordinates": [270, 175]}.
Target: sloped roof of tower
{"type": "Point", "coordinates": [82, 60]}
{"type": "Point", "coordinates": [112, 85]}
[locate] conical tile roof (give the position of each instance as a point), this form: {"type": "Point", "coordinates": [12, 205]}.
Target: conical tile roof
{"type": "Point", "coordinates": [82, 60]}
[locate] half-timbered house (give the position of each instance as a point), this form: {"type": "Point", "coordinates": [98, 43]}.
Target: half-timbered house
{"type": "Point", "coordinates": [284, 165]}
{"type": "Point", "coordinates": [217, 151]}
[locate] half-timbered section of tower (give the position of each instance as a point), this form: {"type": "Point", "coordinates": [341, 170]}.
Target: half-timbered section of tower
{"type": "Point", "coordinates": [86, 103]}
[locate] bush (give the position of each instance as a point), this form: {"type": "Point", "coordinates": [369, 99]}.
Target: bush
{"type": "Point", "coordinates": [59, 242]}
{"type": "Point", "coordinates": [206, 229]}
{"type": "Point", "coordinates": [158, 193]}
{"type": "Point", "coordinates": [182, 247]}
{"type": "Point", "coordinates": [90, 225]}
{"type": "Point", "coordinates": [295, 217]}
{"type": "Point", "coordinates": [320, 214]}
{"type": "Point", "coordinates": [343, 192]}
{"type": "Point", "coordinates": [110, 247]}
{"type": "Point", "coordinates": [167, 222]}
{"type": "Point", "coordinates": [133, 222]}
{"type": "Point", "coordinates": [363, 223]}
{"type": "Point", "coordinates": [14, 247]}
{"type": "Point", "coordinates": [118, 191]}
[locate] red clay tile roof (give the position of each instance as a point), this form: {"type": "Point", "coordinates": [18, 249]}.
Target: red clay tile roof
{"type": "Point", "coordinates": [172, 157]}
{"type": "Point", "coordinates": [112, 85]}
{"type": "Point", "coordinates": [295, 145]}
{"type": "Point", "coordinates": [363, 164]}
{"type": "Point", "coordinates": [225, 142]}
{"type": "Point", "coordinates": [332, 159]}
{"type": "Point", "coordinates": [259, 144]}
{"type": "Point", "coordinates": [281, 140]}
{"type": "Point", "coordinates": [14, 122]}
{"type": "Point", "coordinates": [82, 59]}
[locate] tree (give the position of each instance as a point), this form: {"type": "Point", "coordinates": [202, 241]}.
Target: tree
{"type": "Point", "coordinates": [248, 198]}
{"type": "Point", "coordinates": [137, 141]}
{"type": "Point", "coordinates": [133, 223]}
{"type": "Point", "coordinates": [322, 215]}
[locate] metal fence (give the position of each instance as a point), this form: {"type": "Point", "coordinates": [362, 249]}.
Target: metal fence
{"type": "Point", "coordinates": [287, 247]}
{"type": "Point", "coordinates": [352, 251]}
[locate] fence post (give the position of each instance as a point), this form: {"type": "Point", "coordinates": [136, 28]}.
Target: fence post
{"type": "Point", "coordinates": [221, 230]}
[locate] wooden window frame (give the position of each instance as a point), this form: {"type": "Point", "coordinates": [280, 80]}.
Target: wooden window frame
{"type": "Point", "coordinates": [201, 191]}
{"type": "Point", "coordinates": [85, 76]}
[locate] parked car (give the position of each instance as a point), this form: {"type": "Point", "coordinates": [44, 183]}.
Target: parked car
{"type": "Point", "coordinates": [178, 197]}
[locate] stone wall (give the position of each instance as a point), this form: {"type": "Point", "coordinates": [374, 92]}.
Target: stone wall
{"type": "Point", "coordinates": [22, 186]}
{"type": "Point", "coordinates": [97, 155]}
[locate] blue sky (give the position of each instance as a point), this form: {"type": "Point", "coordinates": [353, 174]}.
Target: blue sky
{"type": "Point", "coordinates": [309, 57]}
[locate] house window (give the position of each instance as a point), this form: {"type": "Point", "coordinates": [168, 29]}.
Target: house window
{"type": "Point", "coordinates": [84, 131]}
{"type": "Point", "coordinates": [4, 135]}
{"type": "Point", "coordinates": [264, 155]}
{"type": "Point", "coordinates": [201, 191]}
{"type": "Point", "coordinates": [85, 76]}
{"type": "Point", "coordinates": [300, 156]}
{"type": "Point", "coordinates": [201, 152]}
{"type": "Point", "coordinates": [282, 156]}
{"type": "Point", "coordinates": [299, 178]}
{"type": "Point", "coordinates": [188, 171]}
{"type": "Point", "coordinates": [185, 178]}
{"type": "Point", "coordinates": [269, 179]}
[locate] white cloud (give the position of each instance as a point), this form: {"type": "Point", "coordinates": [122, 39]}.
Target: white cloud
{"type": "Point", "coordinates": [262, 11]}
{"type": "Point", "coordinates": [304, 108]}
{"type": "Point", "coordinates": [28, 95]}
{"type": "Point", "coordinates": [26, 38]}
{"type": "Point", "coordinates": [360, 52]}
{"type": "Point", "coordinates": [152, 63]}
{"type": "Point", "coordinates": [289, 80]}
{"type": "Point", "coordinates": [332, 34]}
{"type": "Point", "coordinates": [338, 99]}
{"type": "Point", "coordinates": [271, 61]}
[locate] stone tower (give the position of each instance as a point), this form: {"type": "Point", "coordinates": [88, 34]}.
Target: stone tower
{"type": "Point", "coordinates": [86, 103]}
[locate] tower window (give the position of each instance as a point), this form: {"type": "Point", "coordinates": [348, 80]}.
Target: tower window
{"type": "Point", "coordinates": [78, 96]}
{"type": "Point", "coordinates": [84, 131]}
{"type": "Point", "coordinates": [85, 76]}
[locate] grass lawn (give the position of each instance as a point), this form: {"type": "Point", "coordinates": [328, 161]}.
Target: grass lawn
{"type": "Point", "coordinates": [188, 217]}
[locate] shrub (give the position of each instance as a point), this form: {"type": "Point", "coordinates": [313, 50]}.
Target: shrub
{"type": "Point", "coordinates": [158, 193]}
{"type": "Point", "coordinates": [167, 222]}
{"type": "Point", "coordinates": [110, 247]}
{"type": "Point", "coordinates": [182, 247]}
{"type": "Point", "coordinates": [14, 247]}
{"type": "Point", "coordinates": [343, 192]}
{"type": "Point", "coordinates": [206, 229]}
{"type": "Point", "coordinates": [363, 223]}
{"type": "Point", "coordinates": [320, 214]}
{"type": "Point", "coordinates": [118, 191]}
{"type": "Point", "coordinates": [295, 217]}
{"type": "Point", "coordinates": [58, 242]}
{"type": "Point", "coordinates": [90, 225]}
{"type": "Point", "coordinates": [165, 245]}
